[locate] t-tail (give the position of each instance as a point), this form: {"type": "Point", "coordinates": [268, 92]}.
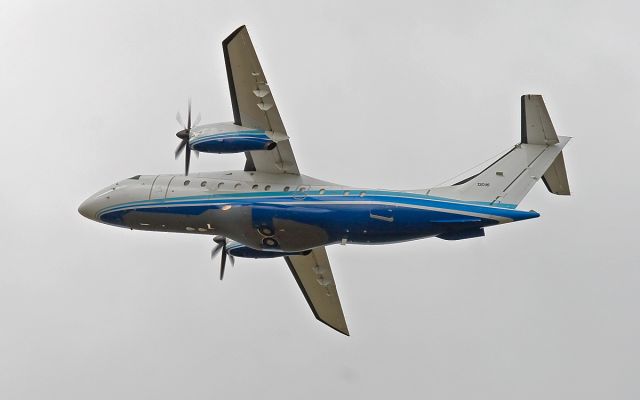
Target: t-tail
{"type": "Point", "coordinates": [507, 181]}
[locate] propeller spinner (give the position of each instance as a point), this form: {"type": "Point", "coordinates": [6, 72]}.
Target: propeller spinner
{"type": "Point", "coordinates": [183, 135]}
{"type": "Point", "coordinates": [221, 246]}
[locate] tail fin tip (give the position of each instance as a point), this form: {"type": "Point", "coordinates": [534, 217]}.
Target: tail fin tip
{"type": "Point", "coordinates": [536, 126]}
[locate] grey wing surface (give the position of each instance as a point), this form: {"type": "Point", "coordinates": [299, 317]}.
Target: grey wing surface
{"type": "Point", "coordinates": [253, 104]}
{"type": "Point", "coordinates": [315, 279]}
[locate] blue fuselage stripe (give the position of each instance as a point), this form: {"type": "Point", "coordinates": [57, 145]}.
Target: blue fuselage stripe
{"type": "Point", "coordinates": [401, 199]}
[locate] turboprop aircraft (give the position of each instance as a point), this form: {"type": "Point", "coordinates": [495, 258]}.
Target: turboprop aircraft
{"type": "Point", "coordinates": [269, 209]}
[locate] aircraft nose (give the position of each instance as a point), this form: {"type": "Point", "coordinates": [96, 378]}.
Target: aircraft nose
{"type": "Point", "coordinates": [87, 209]}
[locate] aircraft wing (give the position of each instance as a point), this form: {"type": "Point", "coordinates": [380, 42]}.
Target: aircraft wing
{"type": "Point", "coordinates": [253, 104]}
{"type": "Point", "coordinates": [314, 277]}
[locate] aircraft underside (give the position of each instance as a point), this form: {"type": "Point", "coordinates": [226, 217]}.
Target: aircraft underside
{"type": "Point", "coordinates": [292, 222]}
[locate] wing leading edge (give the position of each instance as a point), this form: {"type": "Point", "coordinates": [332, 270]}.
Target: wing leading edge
{"type": "Point", "coordinates": [315, 279]}
{"type": "Point", "coordinates": [253, 104]}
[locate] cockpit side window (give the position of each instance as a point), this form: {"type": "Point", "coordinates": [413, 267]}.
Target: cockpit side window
{"type": "Point", "coordinates": [135, 177]}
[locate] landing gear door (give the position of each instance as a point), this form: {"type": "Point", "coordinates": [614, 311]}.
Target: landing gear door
{"type": "Point", "coordinates": [160, 186]}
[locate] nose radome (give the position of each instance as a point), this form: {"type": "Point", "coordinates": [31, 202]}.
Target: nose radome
{"type": "Point", "coordinates": [87, 209]}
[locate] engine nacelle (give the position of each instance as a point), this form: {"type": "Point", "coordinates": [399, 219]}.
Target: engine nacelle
{"type": "Point", "coordinates": [227, 137]}
{"type": "Point", "coordinates": [239, 250]}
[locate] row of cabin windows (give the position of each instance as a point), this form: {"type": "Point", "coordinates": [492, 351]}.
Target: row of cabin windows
{"type": "Point", "coordinates": [236, 186]}
{"type": "Point", "coordinates": [266, 187]}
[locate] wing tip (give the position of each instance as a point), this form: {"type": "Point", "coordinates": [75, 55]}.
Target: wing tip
{"type": "Point", "coordinates": [232, 87]}
{"type": "Point", "coordinates": [344, 330]}
{"type": "Point", "coordinates": [233, 34]}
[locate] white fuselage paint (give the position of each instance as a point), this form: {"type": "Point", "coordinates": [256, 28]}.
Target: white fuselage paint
{"type": "Point", "coordinates": [236, 203]}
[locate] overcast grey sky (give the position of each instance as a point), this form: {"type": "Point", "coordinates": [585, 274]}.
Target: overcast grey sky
{"type": "Point", "coordinates": [379, 94]}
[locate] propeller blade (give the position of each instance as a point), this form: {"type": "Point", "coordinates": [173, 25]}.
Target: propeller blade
{"type": "Point", "coordinates": [180, 148]}
{"type": "Point", "coordinates": [187, 160]}
{"type": "Point", "coordinates": [196, 121]}
{"type": "Point", "coordinates": [189, 115]}
{"type": "Point", "coordinates": [223, 261]}
{"type": "Point", "coordinates": [215, 251]}
{"type": "Point", "coordinates": [184, 136]}
{"type": "Point", "coordinates": [179, 119]}
{"type": "Point", "coordinates": [221, 246]}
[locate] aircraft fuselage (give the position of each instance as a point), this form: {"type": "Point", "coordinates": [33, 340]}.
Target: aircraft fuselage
{"type": "Point", "coordinates": [286, 213]}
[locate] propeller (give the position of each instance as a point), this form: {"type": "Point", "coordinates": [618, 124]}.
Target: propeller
{"type": "Point", "coordinates": [221, 246]}
{"type": "Point", "coordinates": [183, 135]}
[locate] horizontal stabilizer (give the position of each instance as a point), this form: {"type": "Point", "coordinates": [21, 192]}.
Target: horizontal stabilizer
{"type": "Point", "coordinates": [555, 179]}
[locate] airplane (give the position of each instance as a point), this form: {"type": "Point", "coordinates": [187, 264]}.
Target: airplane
{"type": "Point", "coordinates": [269, 209]}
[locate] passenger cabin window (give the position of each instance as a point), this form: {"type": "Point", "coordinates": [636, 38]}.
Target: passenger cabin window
{"type": "Point", "coordinates": [237, 186]}
{"type": "Point", "coordinates": [267, 188]}
{"type": "Point", "coordinates": [346, 193]}
{"type": "Point", "coordinates": [286, 188]}
{"type": "Point", "coordinates": [362, 194]}
{"type": "Point", "coordinates": [203, 183]}
{"type": "Point", "coordinates": [220, 185]}
{"type": "Point", "coordinates": [254, 187]}
{"type": "Point", "coordinates": [322, 191]}
{"type": "Point", "coordinates": [187, 182]}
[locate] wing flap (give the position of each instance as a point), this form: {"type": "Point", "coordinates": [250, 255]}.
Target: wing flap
{"type": "Point", "coordinates": [313, 274]}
